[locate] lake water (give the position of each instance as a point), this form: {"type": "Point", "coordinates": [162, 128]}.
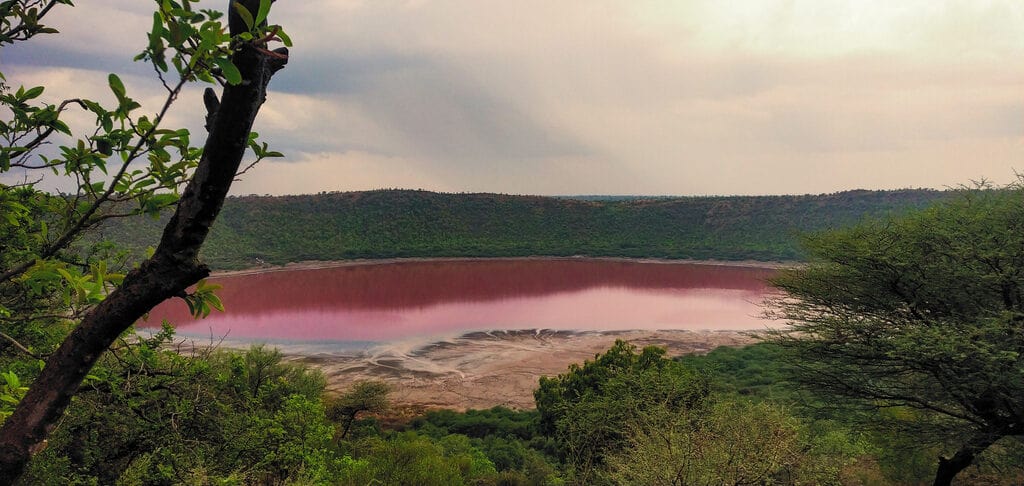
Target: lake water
{"type": "Point", "coordinates": [381, 302]}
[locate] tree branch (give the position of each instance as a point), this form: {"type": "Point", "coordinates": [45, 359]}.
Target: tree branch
{"type": "Point", "coordinates": [84, 221]}
{"type": "Point", "coordinates": [18, 345]}
{"type": "Point", "coordinates": [173, 267]}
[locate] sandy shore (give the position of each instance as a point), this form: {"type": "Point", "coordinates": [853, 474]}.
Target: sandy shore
{"type": "Point", "coordinates": [486, 369]}
{"type": "Point", "coordinates": [313, 265]}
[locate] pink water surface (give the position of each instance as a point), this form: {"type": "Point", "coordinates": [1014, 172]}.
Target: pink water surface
{"type": "Point", "coordinates": [382, 302]}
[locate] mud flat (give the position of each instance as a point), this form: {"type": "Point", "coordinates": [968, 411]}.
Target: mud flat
{"type": "Point", "coordinates": [318, 264]}
{"type": "Point", "coordinates": [487, 369]}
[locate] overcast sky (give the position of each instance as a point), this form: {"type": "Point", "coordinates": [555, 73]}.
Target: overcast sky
{"type": "Point", "coordinates": [602, 97]}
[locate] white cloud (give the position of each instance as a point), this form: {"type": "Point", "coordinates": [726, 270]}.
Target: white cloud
{"type": "Point", "coordinates": [647, 96]}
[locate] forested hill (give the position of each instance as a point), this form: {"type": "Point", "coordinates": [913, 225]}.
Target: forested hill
{"type": "Point", "coordinates": [404, 223]}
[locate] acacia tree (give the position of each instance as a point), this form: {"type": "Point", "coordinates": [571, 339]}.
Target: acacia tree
{"type": "Point", "coordinates": [124, 164]}
{"type": "Point", "coordinates": [923, 313]}
{"type": "Point", "coordinates": [363, 396]}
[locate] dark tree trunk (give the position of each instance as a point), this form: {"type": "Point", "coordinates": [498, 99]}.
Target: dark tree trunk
{"type": "Point", "coordinates": [949, 468]}
{"type": "Point", "coordinates": [173, 267]}
{"type": "Point", "coordinates": [349, 419]}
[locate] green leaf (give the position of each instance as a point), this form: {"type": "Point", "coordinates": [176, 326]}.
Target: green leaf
{"type": "Point", "coordinates": [229, 70]}
{"type": "Point", "coordinates": [116, 85]}
{"type": "Point", "coordinates": [61, 127]}
{"type": "Point", "coordinates": [12, 380]}
{"type": "Point", "coordinates": [215, 302]}
{"type": "Point", "coordinates": [157, 202]}
{"type": "Point", "coordinates": [67, 276]}
{"type": "Point", "coordinates": [21, 208]}
{"type": "Point", "coordinates": [177, 35]}
{"type": "Point", "coordinates": [202, 286]}
{"type": "Point", "coordinates": [32, 93]}
{"type": "Point", "coordinates": [284, 38]}
{"type": "Point", "coordinates": [261, 16]}
{"type": "Point", "coordinates": [158, 27]}
{"type": "Point", "coordinates": [244, 13]}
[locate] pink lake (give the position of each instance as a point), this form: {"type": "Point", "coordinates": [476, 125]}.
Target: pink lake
{"type": "Point", "coordinates": [376, 302]}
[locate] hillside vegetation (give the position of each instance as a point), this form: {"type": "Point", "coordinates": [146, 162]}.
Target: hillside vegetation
{"type": "Point", "coordinates": [905, 365]}
{"type": "Point", "coordinates": [404, 223]}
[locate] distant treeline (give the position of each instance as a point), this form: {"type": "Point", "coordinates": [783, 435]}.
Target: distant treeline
{"type": "Point", "coordinates": [406, 223]}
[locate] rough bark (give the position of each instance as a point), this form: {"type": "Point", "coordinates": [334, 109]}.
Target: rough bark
{"type": "Point", "coordinates": [173, 267]}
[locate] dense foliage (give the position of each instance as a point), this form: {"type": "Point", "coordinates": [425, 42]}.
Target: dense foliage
{"type": "Point", "coordinates": [726, 442]}
{"type": "Point", "coordinates": [148, 416]}
{"type": "Point", "coordinates": [153, 414]}
{"type": "Point", "coordinates": [383, 224]}
{"type": "Point", "coordinates": [641, 418]}
{"type": "Point", "coordinates": [156, 415]}
{"type": "Point", "coordinates": [921, 315]}
{"type": "Point", "coordinates": [586, 408]}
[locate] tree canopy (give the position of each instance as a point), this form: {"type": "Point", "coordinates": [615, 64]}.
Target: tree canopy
{"type": "Point", "coordinates": [587, 407]}
{"type": "Point", "coordinates": [923, 314]}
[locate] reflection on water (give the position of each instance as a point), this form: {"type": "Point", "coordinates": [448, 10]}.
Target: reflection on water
{"type": "Point", "coordinates": [381, 302]}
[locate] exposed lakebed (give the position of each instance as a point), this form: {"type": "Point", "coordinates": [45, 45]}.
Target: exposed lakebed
{"type": "Point", "coordinates": [475, 333]}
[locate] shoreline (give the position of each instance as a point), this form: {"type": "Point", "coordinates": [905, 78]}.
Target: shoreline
{"type": "Point", "coordinates": [324, 264]}
{"type": "Point", "coordinates": [481, 370]}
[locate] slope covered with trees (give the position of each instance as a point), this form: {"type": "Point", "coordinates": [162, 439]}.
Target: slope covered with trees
{"type": "Point", "coordinates": [401, 223]}
{"type": "Point", "coordinates": [825, 406]}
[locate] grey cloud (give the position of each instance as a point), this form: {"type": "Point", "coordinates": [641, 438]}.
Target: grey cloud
{"type": "Point", "coordinates": [438, 112]}
{"type": "Point", "coordinates": [320, 73]}
{"type": "Point", "coordinates": [428, 107]}
{"type": "Point", "coordinates": [41, 53]}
